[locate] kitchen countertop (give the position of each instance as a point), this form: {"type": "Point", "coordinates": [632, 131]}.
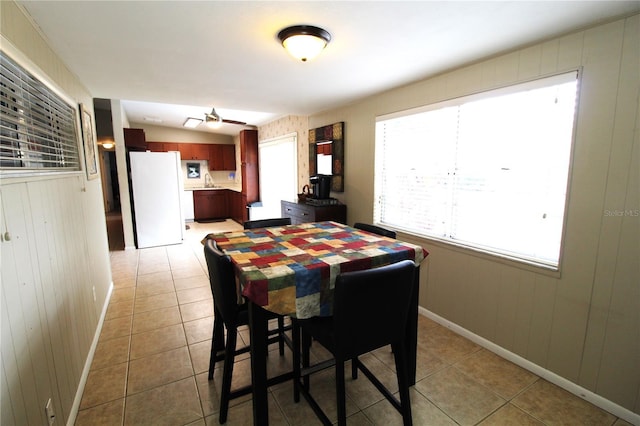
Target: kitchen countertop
{"type": "Point", "coordinates": [217, 187]}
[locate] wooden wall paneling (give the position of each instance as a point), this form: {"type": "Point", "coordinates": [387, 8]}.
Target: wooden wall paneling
{"type": "Point", "coordinates": [549, 57]}
{"type": "Point", "coordinates": [482, 295]}
{"type": "Point", "coordinates": [82, 320]}
{"type": "Point", "coordinates": [24, 345]}
{"type": "Point", "coordinates": [529, 62]}
{"type": "Point", "coordinates": [55, 280]}
{"type": "Point", "coordinates": [507, 307]}
{"type": "Point", "coordinates": [524, 316]}
{"type": "Point", "coordinates": [542, 319]}
{"type": "Point", "coordinates": [615, 290]}
{"type": "Point", "coordinates": [570, 51]}
{"type": "Point", "coordinates": [507, 68]}
{"type": "Point", "coordinates": [7, 416]}
{"type": "Point", "coordinates": [585, 212]}
{"type": "Point", "coordinates": [457, 279]}
{"type": "Point", "coordinates": [14, 408]}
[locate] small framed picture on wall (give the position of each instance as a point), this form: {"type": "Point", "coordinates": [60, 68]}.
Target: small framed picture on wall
{"type": "Point", "coordinates": [193, 170]}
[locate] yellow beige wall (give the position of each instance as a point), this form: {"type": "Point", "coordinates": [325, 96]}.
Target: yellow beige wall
{"type": "Point", "coordinates": [55, 266]}
{"type": "Point", "coordinates": [582, 324]}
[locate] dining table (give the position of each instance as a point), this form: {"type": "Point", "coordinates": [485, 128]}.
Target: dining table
{"type": "Point", "coordinates": [291, 270]}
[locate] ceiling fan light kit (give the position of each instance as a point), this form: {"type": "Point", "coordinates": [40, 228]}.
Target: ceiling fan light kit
{"type": "Point", "coordinates": [213, 119]}
{"type": "Point", "coordinates": [304, 42]}
{"type": "Point", "coordinates": [192, 123]}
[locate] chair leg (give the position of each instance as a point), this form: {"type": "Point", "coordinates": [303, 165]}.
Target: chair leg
{"type": "Point", "coordinates": [340, 393]}
{"type": "Point", "coordinates": [354, 368]}
{"type": "Point", "coordinates": [295, 339]}
{"type": "Point", "coordinates": [281, 335]}
{"type": "Point", "coordinates": [217, 343]}
{"type": "Point", "coordinates": [227, 374]}
{"type": "Point", "coordinates": [306, 347]}
{"type": "Point", "coordinates": [400, 357]}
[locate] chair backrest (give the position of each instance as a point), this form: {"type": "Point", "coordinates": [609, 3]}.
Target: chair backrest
{"type": "Point", "coordinates": [370, 307]}
{"type": "Point", "coordinates": [375, 229]}
{"type": "Point", "coordinates": [265, 223]}
{"type": "Point", "coordinates": [223, 283]}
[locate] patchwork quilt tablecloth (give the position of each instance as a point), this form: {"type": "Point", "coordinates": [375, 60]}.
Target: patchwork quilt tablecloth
{"type": "Point", "coordinates": [291, 270]}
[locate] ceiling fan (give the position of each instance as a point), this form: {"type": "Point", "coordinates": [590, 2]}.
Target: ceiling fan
{"type": "Point", "coordinates": [213, 118]}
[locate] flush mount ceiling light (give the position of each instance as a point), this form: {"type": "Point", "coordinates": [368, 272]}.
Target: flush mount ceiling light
{"type": "Point", "coordinates": [192, 123]}
{"type": "Point", "coordinates": [304, 42]}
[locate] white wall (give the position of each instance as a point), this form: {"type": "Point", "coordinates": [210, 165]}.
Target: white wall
{"type": "Point", "coordinates": [582, 324]}
{"type": "Point", "coordinates": [56, 258]}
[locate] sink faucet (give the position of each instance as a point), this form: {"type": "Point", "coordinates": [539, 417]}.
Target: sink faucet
{"type": "Point", "coordinates": [208, 182]}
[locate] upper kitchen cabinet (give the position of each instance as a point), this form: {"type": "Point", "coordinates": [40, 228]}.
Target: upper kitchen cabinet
{"type": "Point", "coordinates": [165, 147]}
{"type": "Point", "coordinates": [222, 157]}
{"type": "Point", "coordinates": [194, 151]}
{"type": "Point", "coordinates": [249, 165]}
{"type": "Point", "coordinates": [156, 147]}
{"type": "Point", "coordinates": [228, 157]}
{"type": "Point", "coordinates": [171, 146]}
{"type": "Point", "coordinates": [134, 139]}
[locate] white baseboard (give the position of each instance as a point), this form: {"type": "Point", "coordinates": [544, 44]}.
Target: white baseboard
{"type": "Point", "coordinates": [557, 380]}
{"type": "Point", "coordinates": [87, 364]}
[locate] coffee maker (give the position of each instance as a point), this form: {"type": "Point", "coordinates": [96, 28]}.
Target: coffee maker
{"type": "Point", "coordinates": [321, 186]}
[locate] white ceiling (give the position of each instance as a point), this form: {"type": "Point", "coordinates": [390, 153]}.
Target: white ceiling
{"type": "Point", "coordinates": [168, 60]}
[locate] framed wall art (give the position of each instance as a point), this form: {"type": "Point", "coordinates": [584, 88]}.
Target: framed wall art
{"type": "Point", "coordinates": [89, 143]}
{"type": "Point", "coordinates": [326, 153]}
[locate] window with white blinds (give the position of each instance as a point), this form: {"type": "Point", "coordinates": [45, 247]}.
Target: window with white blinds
{"type": "Point", "coordinates": [488, 171]}
{"type": "Point", "coordinates": [38, 129]}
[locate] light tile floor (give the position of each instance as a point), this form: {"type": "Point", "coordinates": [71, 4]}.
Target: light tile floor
{"type": "Point", "coordinates": [150, 366]}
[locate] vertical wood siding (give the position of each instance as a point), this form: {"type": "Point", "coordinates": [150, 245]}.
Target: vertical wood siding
{"type": "Point", "coordinates": [48, 315]}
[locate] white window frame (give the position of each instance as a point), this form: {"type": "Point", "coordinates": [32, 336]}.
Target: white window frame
{"type": "Point", "coordinates": [33, 167]}
{"type": "Point", "coordinates": [409, 224]}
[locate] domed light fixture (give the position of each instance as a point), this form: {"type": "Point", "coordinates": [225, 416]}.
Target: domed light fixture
{"type": "Point", "coordinates": [304, 42]}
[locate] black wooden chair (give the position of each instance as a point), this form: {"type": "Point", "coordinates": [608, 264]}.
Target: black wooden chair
{"type": "Point", "coordinates": [265, 223]}
{"type": "Point", "coordinates": [230, 315]}
{"type": "Point", "coordinates": [369, 311]}
{"type": "Point", "coordinates": [375, 229]}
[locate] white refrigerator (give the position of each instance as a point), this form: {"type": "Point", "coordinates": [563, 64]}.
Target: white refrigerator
{"type": "Point", "coordinates": [156, 185]}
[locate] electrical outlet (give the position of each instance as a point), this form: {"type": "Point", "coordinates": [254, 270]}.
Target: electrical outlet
{"type": "Point", "coordinates": [50, 412]}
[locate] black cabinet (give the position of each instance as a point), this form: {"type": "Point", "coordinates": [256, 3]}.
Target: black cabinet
{"type": "Point", "coordinates": [303, 212]}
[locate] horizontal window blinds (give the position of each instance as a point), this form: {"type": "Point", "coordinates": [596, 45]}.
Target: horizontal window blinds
{"type": "Point", "coordinates": [487, 171]}
{"type": "Point", "coordinates": [38, 130]}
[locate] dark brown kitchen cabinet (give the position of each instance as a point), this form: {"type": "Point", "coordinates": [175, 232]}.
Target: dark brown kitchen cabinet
{"type": "Point", "coordinates": [303, 212]}
{"type": "Point", "coordinates": [210, 204]}
{"type": "Point", "coordinates": [228, 157]}
{"type": "Point", "coordinates": [156, 146]}
{"type": "Point", "coordinates": [194, 151]}
{"type": "Point", "coordinates": [237, 206]}
{"type": "Point", "coordinates": [222, 157]}
{"type": "Point", "coordinates": [134, 139]}
{"type": "Point", "coordinates": [249, 165]}
{"type": "Point", "coordinates": [215, 157]}
{"type": "Point", "coordinates": [162, 147]}
{"type": "Point", "coordinates": [171, 146]}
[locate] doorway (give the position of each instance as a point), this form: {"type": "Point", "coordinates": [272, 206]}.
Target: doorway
{"type": "Point", "coordinates": [278, 175]}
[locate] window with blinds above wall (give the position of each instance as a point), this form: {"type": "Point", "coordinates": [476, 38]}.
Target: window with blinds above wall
{"type": "Point", "coordinates": [487, 171]}
{"type": "Point", "coordinates": [38, 128]}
